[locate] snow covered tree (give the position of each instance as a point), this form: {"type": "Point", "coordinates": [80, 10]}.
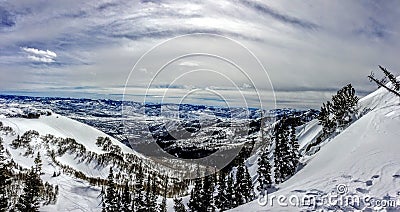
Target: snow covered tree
{"type": "Point", "coordinates": [207, 203]}
{"type": "Point", "coordinates": [139, 204]}
{"type": "Point", "coordinates": [147, 195]}
{"type": "Point", "coordinates": [153, 198]}
{"type": "Point", "coordinates": [29, 200]}
{"type": "Point", "coordinates": [38, 164]}
{"type": "Point", "coordinates": [150, 196]}
{"type": "Point", "coordinates": [220, 198]}
{"type": "Point", "coordinates": [111, 201]}
{"type": "Point", "coordinates": [230, 192]}
{"type": "Point", "coordinates": [286, 155]}
{"type": "Point", "coordinates": [344, 106]}
{"type": "Point", "coordinates": [126, 198]}
{"type": "Point", "coordinates": [243, 186]}
{"type": "Point", "coordinates": [264, 172]}
{"type": "Point", "coordinates": [381, 83]}
{"type": "Point", "coordinates": [337, 113]}
{"type": "Point", "coordinates": [163, 204]}
{"type": "Point", "coordinates": [196, 196]}
{"type": "Point", "coordinates": [178, 205]}
{"type": "Point", "coordinates": [326, 118]}
{"type": "Point", "coordinates": [280, 153]}
{"type": "Point", "coordinates": [5, 179]}
{"type": "Point", "coordinates": [248, 191]}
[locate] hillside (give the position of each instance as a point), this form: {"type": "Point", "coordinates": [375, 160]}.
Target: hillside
{"type": "Point", "coordinates": [76, 161]}
{"type": "Point", "coordinates": [363, 162]}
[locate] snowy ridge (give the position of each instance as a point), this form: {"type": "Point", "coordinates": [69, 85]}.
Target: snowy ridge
{"type": "Point", "coordinates": [364, 158]}
{"type": "Point", "coordinates": [75, 193]}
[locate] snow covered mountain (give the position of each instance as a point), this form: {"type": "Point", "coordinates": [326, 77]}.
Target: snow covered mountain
{"type": "Point", "coordinates": [359, 167]}
{"type": "Point", "coordinates": [361, 162]}
{"type": "Point", "coordinates": [70, 156]}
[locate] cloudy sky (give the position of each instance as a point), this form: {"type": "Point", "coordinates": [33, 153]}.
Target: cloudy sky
{"type": "Point", "coordinates": [89, 48]}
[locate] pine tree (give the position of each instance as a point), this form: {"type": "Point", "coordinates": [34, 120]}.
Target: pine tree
{"type": "Point", "coordinates": [111, 201]}
{"type": "Point", "coordinates": [207, 194]}
{"type": "Point", "coordinates": [248, 191]}
{"type": "Point", "coordinates": [282, 151]}
{"type": "Point", "coordinates": [153, 198]}
{"type": "Point", "coordinates": [103, 199]}
{"type": "Point", "coordinates": [163, 205]}
{"type": "Point", "coordinates": [196, 196]}
{"type": "Point", "coordinates": [294, 151]}
{"type": "Point", "coordinates": [38, 164]}
{"type": "Point", "coordinates": [381, 83]}
{"type": "Point", "coordinates": [126, 198]}
{"type": "Point", "coordinates": [264, 172]}
{"type": "Point", "coordinates": [147, 195]}
{"type": "Point", "coordinates": [220, 198]}
{"type": "Point", "coordinates": [178, 205]}
{"type": "Point", "coordinates": [29, 200]}
{"type": "Point", "coordinates": [5, 179]}
{"type": "Point", "coordinates": [243, 185]}
{"type": "Point", "coordinates": [392, 78]}
{"type": "Point", "coordinates": [239, 199]}
{"type": "Point", "coordinates": [230, 192]}
{"type": "Point", "coordinates": [150, 197]}
{"type": "Point", "coordinates": [138, 203]}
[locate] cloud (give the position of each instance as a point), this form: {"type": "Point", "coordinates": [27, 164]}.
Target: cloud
{"type": "Point", "coordinates": [42, 53]}
{"type": "Point", "coordinates": [40, 59]}
{"type": "Point", "coordinates": [278, 15]}
{"type": "Point", "coordinates": [7, 19]}
{"type": "Point", "coordinates": [303, 45]}
{"type": "Point", "coordinates": [45, 56]}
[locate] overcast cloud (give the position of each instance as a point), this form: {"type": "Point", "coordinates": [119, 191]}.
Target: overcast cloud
{"type": "Point", "coordinates": [88, 48]}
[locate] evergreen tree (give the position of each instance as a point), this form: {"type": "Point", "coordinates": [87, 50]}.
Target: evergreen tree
{"type": "Point", "coordinates": [126, 198]}
{"type": "Point", "coordinates": [153, 198]}
{"type": "Point", "coordinates": [138, 203]}
{"type": "Point", "coordinates": [150, 197]}
{"type": "Point", "coordinates": [147, 195]}
{"type": "Point", "coordinates": [286, 155]}
{"type": "Point", "coordinates": [294, 151]}
{"type": "Point", "coordinates": [103, 199]}
{"type": "Point", "coordinates": [326, 118]}
{"type": "Point", "coordinates": [29, 200]}
{"type": "Point", "coordinates": [392, 78]}
{"type": "Point", "coordinates": [282, 151]}
{"type": "Point", "coordinates": [207, 192]}
{"type": "Point", "coordinates": [178, 205]}
{"type": "Point", "coordinates": [111, 200]}
{"type": "Point", "coordinates": [264, 172]}
{"type": "Point", "coordinates": [220, 198]}
{"type": "Point", "coordinates": [230, 192]}
{"type": "Point", "coordinates": [163, 205]}
{"type": "Point", "coordinates": [340, 112]}
{"type": "Point", "coordinates": [196, 196]}
{"type": "Point", "coordinates": [239, 199]}
{"type": "Point", "coordinates": [38, 164]}
{"type": "Point", "coordinates": [344, 105]}
{"type": "Point", "coordinates": [243, 186]}
{"type": "Point", "coordinates": [247, 186]}
{"type": "Point", "coordinates": [5, 179]}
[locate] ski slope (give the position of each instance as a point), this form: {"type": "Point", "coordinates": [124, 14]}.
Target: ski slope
{"type": "Point", "coordinates": [362, 162]}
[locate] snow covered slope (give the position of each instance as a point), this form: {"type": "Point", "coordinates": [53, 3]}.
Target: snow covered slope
{"type": "Point", "coordinates": [64, 127]}
{"type": "Point", "coordinates": [362, 162]}
{"type": "Point", "coordinates": [75, 193]}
